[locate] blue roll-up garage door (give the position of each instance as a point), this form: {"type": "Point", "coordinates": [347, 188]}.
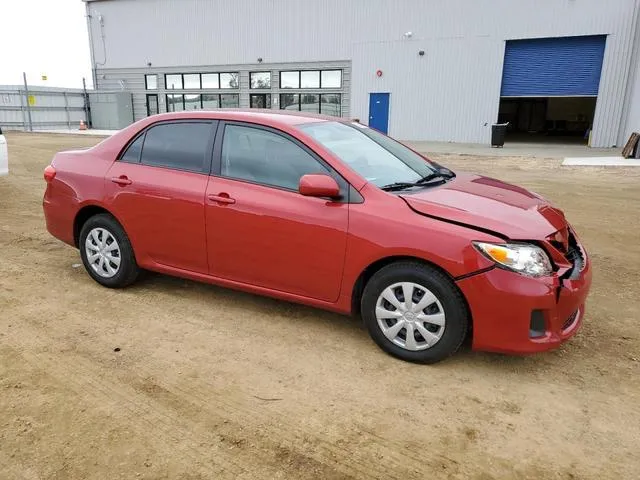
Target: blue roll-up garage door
{"type": "Point", "coordinates": [546, 67]}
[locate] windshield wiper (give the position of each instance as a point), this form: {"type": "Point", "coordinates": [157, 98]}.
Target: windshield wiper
{"type": "Point", "coordinates": [422, 182]}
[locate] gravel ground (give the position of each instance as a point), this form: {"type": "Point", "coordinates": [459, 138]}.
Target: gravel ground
{"type": "Point", "coordinates": [210, 383]}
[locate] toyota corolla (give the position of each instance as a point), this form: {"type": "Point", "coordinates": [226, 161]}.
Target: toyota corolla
{"type": "Point", "coordinates": [327, 213]}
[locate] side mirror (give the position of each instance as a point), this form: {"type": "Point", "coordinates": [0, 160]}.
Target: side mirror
{"type": "Point", "coordinates": [318, 185]}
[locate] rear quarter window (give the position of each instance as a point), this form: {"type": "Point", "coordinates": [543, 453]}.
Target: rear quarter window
{"type": "Point", "coordinates": [132, 153]}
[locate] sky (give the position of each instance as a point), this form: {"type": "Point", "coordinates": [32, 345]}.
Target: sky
{"type": "Point", "coordinates": [44, 37]}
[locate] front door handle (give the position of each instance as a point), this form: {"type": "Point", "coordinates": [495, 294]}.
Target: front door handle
{"type": "Point", "coordinates": [122, 180]}
{"type": "Point", "coordinates": [222, 198]}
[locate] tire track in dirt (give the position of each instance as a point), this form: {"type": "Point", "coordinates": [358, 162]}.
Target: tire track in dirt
{"type": "Point", "coordinates": [280, 432]}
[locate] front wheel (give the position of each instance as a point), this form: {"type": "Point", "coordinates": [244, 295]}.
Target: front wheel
{"type": "Point", "coordinates": [415, 312]}
{"type": "Point", "coordinates": [106, 252]}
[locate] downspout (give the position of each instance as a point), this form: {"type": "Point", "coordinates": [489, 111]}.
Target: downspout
{"type": "Point", "coordinates": [94, 74]}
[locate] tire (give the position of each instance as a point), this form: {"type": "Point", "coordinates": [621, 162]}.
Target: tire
{"type": "Point", "coordinates": [448, 308]}
{"type": "Point", "coordinates": [110, 274]}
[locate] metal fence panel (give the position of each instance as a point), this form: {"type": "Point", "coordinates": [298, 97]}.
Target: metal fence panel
{"type": "Point", "coordinates": [50, 108]}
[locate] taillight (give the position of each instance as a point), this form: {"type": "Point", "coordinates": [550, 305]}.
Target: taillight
{"type": "Point", "coordinates": [49, 173]}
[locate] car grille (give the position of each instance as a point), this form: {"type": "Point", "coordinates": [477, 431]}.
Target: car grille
{"type": "Point", "coordinates": [570, 321]}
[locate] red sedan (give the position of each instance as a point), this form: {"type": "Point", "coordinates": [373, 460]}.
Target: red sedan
{"type": "Point", "coordinates": [328, 213]}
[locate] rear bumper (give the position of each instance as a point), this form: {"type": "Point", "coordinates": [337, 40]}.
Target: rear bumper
{"type": "Point", "coordinates": [502, 303]}
{"type": "Point", "coordinates": [59, 214]}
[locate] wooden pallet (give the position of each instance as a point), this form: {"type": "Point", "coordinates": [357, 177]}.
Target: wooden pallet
{"type": "Point", "coordinates": [630, 147]}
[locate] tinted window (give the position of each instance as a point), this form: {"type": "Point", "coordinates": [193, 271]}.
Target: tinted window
{"type": "Point", "coordinates": [264, 157]}
{"type": "Point", "coordinates": [132, 153]}
{"type": "Point", "coordinates": [177, 145]}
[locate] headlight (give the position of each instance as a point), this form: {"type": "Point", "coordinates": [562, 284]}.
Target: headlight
{"type": "Point", "coordinates": [523, 258]}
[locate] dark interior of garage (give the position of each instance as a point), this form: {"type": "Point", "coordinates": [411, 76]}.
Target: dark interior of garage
{"type": "Point", "coordinates": [548, 119]}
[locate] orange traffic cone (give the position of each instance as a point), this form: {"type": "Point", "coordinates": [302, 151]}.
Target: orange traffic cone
{"type": "Point", "coordinates": [83, 126]}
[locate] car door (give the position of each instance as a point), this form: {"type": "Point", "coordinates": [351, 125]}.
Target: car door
{"type": "Point", "coordinates": [260, 230]}
{"type": "Point", "coordinates": [156, 188]}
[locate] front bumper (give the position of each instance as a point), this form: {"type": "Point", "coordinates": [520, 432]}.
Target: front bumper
{"type": "Point", "coordinates": [502, 303]}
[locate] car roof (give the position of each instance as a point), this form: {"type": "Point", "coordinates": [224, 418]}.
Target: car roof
{"type": "Point", "coordinates": [273, 117]}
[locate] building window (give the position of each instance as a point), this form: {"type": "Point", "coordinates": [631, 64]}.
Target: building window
{"type": "Point", "coordinates": [210, 80]}
{"type": "Point", "coordinates": [290, 79]}
{"type": "Point", "coordinates": [260, 100]}
{"type": "Point", "coordinates": [210, 102]}
{"type": "Point", "coordinates": [331, 79]}
{"type": "Point", "coordinates": [229, 80]}
{"type": "Point", "coordinates": [311, 79]}
{"type": "Point", "coordinates": [310, 102]}
{"type": "Point", "coordinates": [260, 80]}
{"type": "Point", "coordinates": [192, 102]}
{"type": "Point", "coordinates": [151, 82]}
{"type": "Point", "coordinates": [175, 103]}
{"type": "Point", "coordinates": [173, 82]}
{"type": "Point", "coordinates": [152, 104]}
{"type": "Point", "coordinates": [325, 103]}
{"type": "Point", "coordinates": [229, 100]}
{"type": "Point", "coordinates": [289, 101]}
{"type": "Point", "coordinates": [330, 104]}
{"type": "Point", "coordinates": [191, 80]}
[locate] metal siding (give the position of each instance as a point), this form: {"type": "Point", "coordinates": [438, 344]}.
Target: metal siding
{"type": "Point", "coordinates": [631, 114]}
{"type": "Point", "coordinates": [451, 94]}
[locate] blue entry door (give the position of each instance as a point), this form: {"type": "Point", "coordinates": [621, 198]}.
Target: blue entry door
{"type": "Point", "coordinates": [379, 111]}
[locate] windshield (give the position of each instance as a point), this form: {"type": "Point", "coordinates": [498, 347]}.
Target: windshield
{"type": "Point", "coordinates": [378, 158]}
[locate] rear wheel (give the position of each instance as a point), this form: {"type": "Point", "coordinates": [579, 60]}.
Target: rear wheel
{"type": "Point", "coordinates": [106, 252]}
{"type": "Point", "coordinates": [415, 312]}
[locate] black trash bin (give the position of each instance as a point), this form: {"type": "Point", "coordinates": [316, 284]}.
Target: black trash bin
{"type": "Point", "coordinates": [498, 132]}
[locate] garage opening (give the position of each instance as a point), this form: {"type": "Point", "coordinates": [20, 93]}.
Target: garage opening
{"type": "Point", "coordinates": [550, 88]}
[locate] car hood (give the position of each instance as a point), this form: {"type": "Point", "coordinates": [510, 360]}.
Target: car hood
{"type": "Point", "coordinates": [489, 204]}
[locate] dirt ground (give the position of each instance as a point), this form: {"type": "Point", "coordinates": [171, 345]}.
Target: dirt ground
{"type": "Point", "coordinates": [208, 383]}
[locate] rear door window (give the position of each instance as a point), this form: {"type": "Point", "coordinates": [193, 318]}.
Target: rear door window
{"type": "Point", "coordinates": [181, 146]}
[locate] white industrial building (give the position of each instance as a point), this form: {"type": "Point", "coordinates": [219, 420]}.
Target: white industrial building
{"type": "Point", "coordinates": [442, 70]}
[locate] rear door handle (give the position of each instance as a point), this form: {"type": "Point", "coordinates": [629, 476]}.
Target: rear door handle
{"type": "Point", "coordinates": [222, 198]}
{"type": "Point", "coordinates": [122, 180]}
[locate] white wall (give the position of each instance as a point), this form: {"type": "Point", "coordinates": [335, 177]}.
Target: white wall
{"type": "Point", "coordinates": [450, 94]}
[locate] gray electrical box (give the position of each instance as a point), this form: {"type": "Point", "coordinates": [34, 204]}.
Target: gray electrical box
{"type": "Point", "coordinates": [111, 110]}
